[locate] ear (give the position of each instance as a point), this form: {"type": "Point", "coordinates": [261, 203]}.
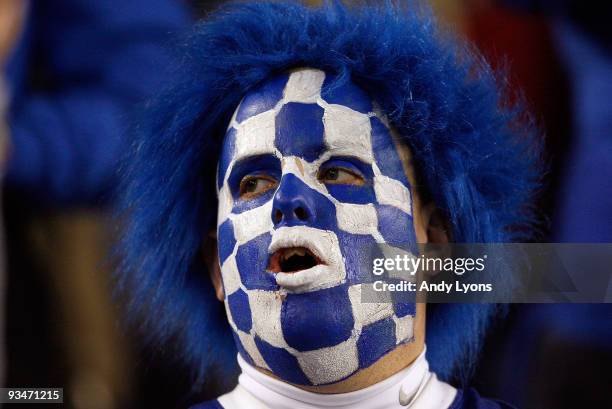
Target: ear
{"type": "Point", "coordinates": [431, 227]}
{"type": "Point", "coordinates": [211, 259]}
{"type": "Point", "coordinates": [434, 225]}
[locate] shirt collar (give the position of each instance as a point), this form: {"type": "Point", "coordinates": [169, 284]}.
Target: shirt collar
{"type": "Point", "coordinates": [400, 391]}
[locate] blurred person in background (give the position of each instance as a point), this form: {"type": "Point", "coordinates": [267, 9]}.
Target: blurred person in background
{"type": "Point", "coordinates": [74, 77]}
{"type": "Point", "coordinates": [583, 40]}
{"type": "Point", "coordinates": [11, 15]}
{"type": "Point", "coordinates": [559, 54]}
{"type": "Point", "coordinates": [73, 73]}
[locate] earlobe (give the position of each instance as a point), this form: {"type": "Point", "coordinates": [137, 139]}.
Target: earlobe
{"type": "Point", "coordinates": [211, 259]}
{"type": "Point", "coordinates": [437, 228]}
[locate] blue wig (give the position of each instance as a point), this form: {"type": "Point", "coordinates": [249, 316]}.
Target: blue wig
{"type": "Point", "coordinates": [476, 155]}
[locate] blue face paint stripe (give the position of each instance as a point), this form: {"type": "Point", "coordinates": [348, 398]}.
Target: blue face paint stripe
{"type": "Point", "coordinates": [282, 363]}
{"type": "Point", "coordinates": [358, 252]}
{"type": "Point", "coordinates": [345, 93]}
{"type": "Point", "coordinates": [396, 227]}
{"type": "Point", "coordinates": [299, 130]}
{"type": "Point", "coordinates": [225, 158]}
{"type": "Point", "coordinates": [293, 193]}
{"type": "Point", "coordinates": [226, 240]}
{"type": "Point", "coordinates": [240, 309]}
{"type": "Point", "coordinates": [318, 319]}
{"type": "Point", "coordinates": [375, 341]}
{"type": "Point", "coordinates": [352, 194]}
{"type": "Point", "coordinates": [385, 152]}
{"type": "Point", "coordinates": [252, 262]}
{"type": "Point", "coordinates": [403, 309]}
{"type": "Point", "coordinates": [262, 98]}
{"type": "Point", "coordinates": [242, 206]}
{"type": "Point", "coordinates": [241, 350]}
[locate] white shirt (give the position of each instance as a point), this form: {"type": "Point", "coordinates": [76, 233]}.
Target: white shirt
{"type": "Point", "coordinates": [414, 387]}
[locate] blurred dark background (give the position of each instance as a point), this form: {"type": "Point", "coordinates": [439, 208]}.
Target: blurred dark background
{"type": "Point", "coordinates": [75, 69]}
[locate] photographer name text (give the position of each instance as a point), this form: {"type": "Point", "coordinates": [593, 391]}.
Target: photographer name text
{"type": "Point", "coordinates": [441, 287]}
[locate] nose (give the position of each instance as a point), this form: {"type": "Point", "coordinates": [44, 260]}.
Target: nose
{"type": "Point", "coordinates": [293, 204]}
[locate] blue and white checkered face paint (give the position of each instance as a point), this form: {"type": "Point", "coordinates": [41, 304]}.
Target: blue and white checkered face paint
{"type": "Point", "coordinates": [308, 178]}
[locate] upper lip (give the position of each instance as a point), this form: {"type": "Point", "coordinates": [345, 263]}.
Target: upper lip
{"type": "Point", "coordinates": [292, 259]}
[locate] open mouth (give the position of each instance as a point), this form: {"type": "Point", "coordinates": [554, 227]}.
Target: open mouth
{"type": "Point", "coordinates": [292, 260]}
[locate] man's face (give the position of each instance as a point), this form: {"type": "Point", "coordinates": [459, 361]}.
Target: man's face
{"type": "Point", "coordinates": [309, 178]}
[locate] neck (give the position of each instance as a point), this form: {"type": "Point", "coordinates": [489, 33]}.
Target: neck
{"type": "Point", "coordinates": [402, 389]}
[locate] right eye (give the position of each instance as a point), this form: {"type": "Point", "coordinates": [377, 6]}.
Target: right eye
{"type": "Point", "coordinates": [254, 185]}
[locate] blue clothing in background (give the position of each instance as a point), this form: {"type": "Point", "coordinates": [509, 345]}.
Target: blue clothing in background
{"type": "Point", "coordinates": [75, 76]}
{"type": "Point", "coordinates": [470, 399]}
{"type": "Point", "coordinates": [585, 201]}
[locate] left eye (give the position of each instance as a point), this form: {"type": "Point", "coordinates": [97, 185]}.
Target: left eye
{"type": "Point", "coordinates": [253, 186]}
{"type": "Point", "coordinates": [341, 176]}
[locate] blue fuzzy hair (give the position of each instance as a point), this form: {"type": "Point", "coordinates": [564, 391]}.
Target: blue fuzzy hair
{"type": "Point", "coordinates": [476, 155]}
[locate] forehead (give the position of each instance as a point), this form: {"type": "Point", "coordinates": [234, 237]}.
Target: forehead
{"type": "Point", "coordinates": [306, 86]}
{"type": "Point", "coordinates": [305, 113]}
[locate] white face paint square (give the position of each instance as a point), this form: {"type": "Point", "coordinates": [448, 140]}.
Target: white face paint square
{"type": "Point", "coordinates": [357, 218]}
{"type": "Point", "coordinates": [367, 313]}
{"type": "Point", "coordinates": [304, 86]}
{"type": "Point", "coordinates": [347, 132]}
{"type": "Point", "coordinates": [255, 136]}
{"type": "Point", "coordinates": [230, 275]}
{"type": "Point", "coordinates": [404, 327]}
{"type": "Point", "coordinates": [329, 364]}
{"type": "Point", "coordinates": [393, 193]}
{"type": "Point", "coordinates": [225, 205]}
{"type": "Point", "coordinates": [249, 345]}
{"type": "Point", "coordinates": [252, 223]}
{"type": "Point", "coordinates": [266, 313]}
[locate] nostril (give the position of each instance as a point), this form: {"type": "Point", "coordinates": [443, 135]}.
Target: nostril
{"type": "Point", "coordinates": [300, 213]}
{"type": "Point", "coordinates": [278, 216]}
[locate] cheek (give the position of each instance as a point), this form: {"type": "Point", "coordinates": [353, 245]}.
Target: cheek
{"type": "Point", "coordinates": [252, 260]}
{"type": "Point", "coordinates": [386, 217]}
{"type": "Point", "coordinates": [240, 226]}
{"type": "Point", "coordinates": [357, 218]}
{"type": "Point", "coordinates": [225, 240]}
{"type": "Point", "coordinates": [395, 226]}
{"type": "Point", "coordinates": [352, 194]}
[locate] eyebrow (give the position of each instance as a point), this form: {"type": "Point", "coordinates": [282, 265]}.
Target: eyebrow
{"type": "Point", "coordinates": [252, 163]}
